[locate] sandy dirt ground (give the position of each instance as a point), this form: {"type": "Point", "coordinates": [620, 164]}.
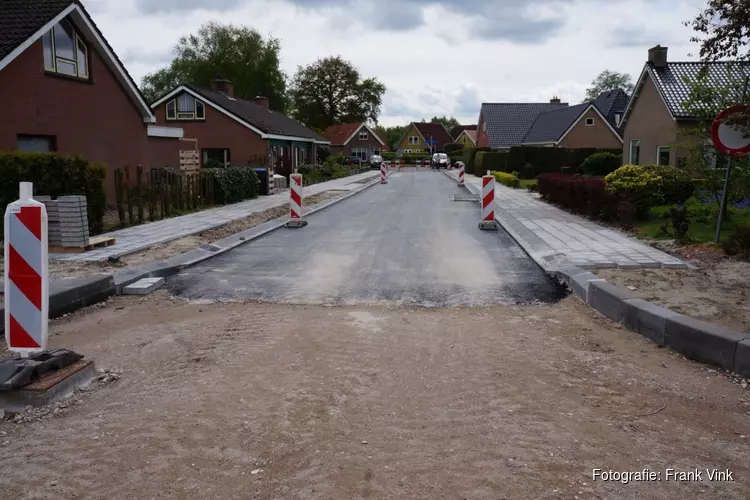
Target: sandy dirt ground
{"type": "Point", "coordinates": [718, 291]}
{"type": "Point", "coordinates": [158, 252]}
{"type": "Point", "coordinates": [268, 401]}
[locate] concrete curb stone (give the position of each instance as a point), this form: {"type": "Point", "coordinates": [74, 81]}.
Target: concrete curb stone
{"type": "Point", "coordinates": [693, 338]}
{"type": "Point", "coordinates": [72, 293]}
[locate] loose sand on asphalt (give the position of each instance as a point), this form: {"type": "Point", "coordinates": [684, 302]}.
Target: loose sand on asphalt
{"type": "Point", "coordinates": [268, 401]}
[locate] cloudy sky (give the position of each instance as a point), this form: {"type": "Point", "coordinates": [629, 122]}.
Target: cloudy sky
{"type": "Point", "coordinates": [436, 57]}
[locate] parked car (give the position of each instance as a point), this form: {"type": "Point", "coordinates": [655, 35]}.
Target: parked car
{"type": "Point", "coordinates": [376, 161]}
{"type": "Point", "coordinates": [353, 160]}
{"type": "Point", "coordinates": [440, 160]}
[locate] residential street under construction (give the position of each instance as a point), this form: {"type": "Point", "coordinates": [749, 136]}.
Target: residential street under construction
{"type": "Point", "coordinates": [260, 394]}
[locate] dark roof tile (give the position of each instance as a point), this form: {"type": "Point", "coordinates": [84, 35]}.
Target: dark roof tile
{"type": "Point", "coordinates": [549, 126]}
{"type": "Point", "coordinates": [338, 134]}
{"type": "Point", "coordinates": [268, 121]}
{"type": "Point", "coordinates": [611, 103]}
{"type": "Point", "coordinates": [19, 19]}
{"type": "Point", "coordinates": [670, 80]}
{"type": "Point", "coordinates": [436, 130]}
{"type": "Point", "coordinates": [508, 123]}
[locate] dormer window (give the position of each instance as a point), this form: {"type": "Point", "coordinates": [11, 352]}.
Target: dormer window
{"type": "Point", "coordinates": [363, 135]}
{"type": "Point", "coordinates": [186, 107]}
{"type": "Point", "coordinates": [65, 51]}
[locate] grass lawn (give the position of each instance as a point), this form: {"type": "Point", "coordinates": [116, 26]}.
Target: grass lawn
{"type": "Point", "coordinates": [526, 182]}
{"type": "Point", "coordinates": [702, 226]}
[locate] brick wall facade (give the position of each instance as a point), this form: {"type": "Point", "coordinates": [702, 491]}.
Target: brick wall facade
{"type": "Point", "coordinates": [95, 119]}
{"type": "Point", "coordinates": [598, 135]}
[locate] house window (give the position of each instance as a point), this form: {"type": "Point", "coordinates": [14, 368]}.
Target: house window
{"type": "Point", "coordinates": [363, 135]}
{"type": "Point", "coordinates": [407, 151]}
{"type": "Point", "coordinates": [36, 143]}
{"type": "Point", "coordinates": [216, 157]}
{"type": "Point", "coordinates": [360, 153]}
{"type": "Point", "coordinates": [484, 126]}
{"type": "Point", "coordinates": [635, 151]}
{"type": "Point", "coordinates": [417, 150]}
{"type": "Point", "coordinates": [618, 117]}
{"type": "Point", "coordinates": [589, 122]}
{"type": "Point", "coordinates": [65, 52]}
{"type": "Point", "coordinates": [376, 151]}
{"type": "Point", "coordinates": [413, 139]}
{"type": "Point", "coordinates": [662, 155]}
{"type": "Point", "coordinates": [186, 107]}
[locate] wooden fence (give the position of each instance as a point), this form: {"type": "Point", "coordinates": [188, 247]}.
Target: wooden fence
{"type": "Point", "coordinates": [160, 193]}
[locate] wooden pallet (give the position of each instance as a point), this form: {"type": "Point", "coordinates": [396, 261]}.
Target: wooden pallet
{"type": "Point", "coordinates": [95, 242]}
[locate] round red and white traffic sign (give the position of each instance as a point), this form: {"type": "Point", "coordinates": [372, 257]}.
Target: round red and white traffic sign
{"type": "Point", "coordinates": [729, 138]}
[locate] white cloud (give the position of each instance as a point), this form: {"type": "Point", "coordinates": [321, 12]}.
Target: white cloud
{"type": "Point", "coordinates": [436, 57]}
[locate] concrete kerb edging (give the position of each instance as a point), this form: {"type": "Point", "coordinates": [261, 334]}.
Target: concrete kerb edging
{"type": "Point", "coordinates": [70, 294]}
{"type": "Point", "coordinates": [175, 264]}
{"type": "Point", "coordinates": [695, 339]}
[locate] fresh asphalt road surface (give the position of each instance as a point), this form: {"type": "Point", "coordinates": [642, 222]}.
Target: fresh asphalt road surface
{"type": "Point", "coordinates": [405, 242]}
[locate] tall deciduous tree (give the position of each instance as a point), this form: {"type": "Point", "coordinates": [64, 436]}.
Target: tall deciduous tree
{"type": "Point", "coordinates": [608, 80]}
{"type": "Point", "coordinates": [723, 30]}
{"type": "Point", "coordinates": [330, 91]}
{"type": "Point", "coordinates": [239, 54]}
{"type": "Point", "coordinates": [390, 135]}
{"type": "Point", "coordinates": [448, 123]}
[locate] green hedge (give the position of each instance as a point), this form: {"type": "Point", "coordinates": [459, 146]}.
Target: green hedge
{"type": "Point", "coordinates": [506, 179]}
{"type": "Point", "coordinates": [469, 158]}
{"type": "Point", "coordinates": [452, 147]}
{"type": "Point", "coordinates": [234, 184]}
{"type": "Point", "coordinates": [492, 160]}
{"type": "Point", "coordinates": [601, 164]}
{"type": "Point", "coordinates": [55, 175]}
{"type": "Point", "coordinates": [549, 160]}
{"type": "Point", "coordinates": [388, 155]}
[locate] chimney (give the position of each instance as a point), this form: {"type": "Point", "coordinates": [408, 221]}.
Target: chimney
{"type": "Point", "coordinates": [555, 100]}
{"type": "Point", "coordinates": [657, 56]}
{"type": "Point", "coordinates": [261, 101]}
{"type": "Point", "coordinates": [223, 86]}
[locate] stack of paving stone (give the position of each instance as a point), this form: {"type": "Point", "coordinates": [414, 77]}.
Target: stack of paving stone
{"type": "Point", "coordinates": [67, 220]}
{"type": "Point", "coordinates": [53, 220]}
{"type": "Point", "coordinates": [73, 220]}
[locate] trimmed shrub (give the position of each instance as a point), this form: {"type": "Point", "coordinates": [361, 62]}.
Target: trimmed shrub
{"type": "Point", "coordinates": [56, 175]}
{"type": "Point", "coordinates": [469, 157]}
{"type": "Point", "coordinates": [676, 185]}
{"type": "Point", "coordinates": [234, 184]}
{"type": "Point", "coordinates": [582, 195]}
{"type": "Point", "coordinates": [496, 161]}
{"type": "Point", "coordinates": [506, 179]}
{"type": "Point", "coordinates": [388, 155]}
{"type": "Point", "coordinates": [549, 160]}
{"type": "Point", "coordinates": [600, 164]}
{"type": "Point", "coordinates": [456, 156]}
{"type": "Point", "coordinates": [637, 185]}
{"type": "Point", "coordinates": [450, 148]}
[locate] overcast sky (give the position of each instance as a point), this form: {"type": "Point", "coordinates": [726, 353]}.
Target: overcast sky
{"type": "Point", "coordinates": [436, 57]}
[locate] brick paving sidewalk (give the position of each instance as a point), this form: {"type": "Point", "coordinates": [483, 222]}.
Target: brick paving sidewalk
{"type": "Point", "coordinates": [551, 235]}
{"type": "Point", "coordinates": [136, 238]}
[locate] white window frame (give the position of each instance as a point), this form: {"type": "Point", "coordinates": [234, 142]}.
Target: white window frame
{"type": "Point", "coordinates": [407, 151]}
{"type": "Point", "coordinates": [658, 152]}
{"type": "Point", "coordinates": [630, 151]}
{"type": "Point", "coordinates": [417, 150]}
{"type": "Point", "coordinates": [590, 122]}
{"type": "Point", "coordinates": [618, 119]}
{"type": "Point", "coordinates": [413, 139]}
{"type": "Point", "coordinates": [182, 116]}
{"type": "Point", "coordinates": [78, 44]}
{"type": "Point", "coordinates": [376, 151]}
{"type": "Point", "coordinates": [363, 136]}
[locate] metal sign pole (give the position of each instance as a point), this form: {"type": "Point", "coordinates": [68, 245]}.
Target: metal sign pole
{"type": "Point", "coordinates": [723, 206]}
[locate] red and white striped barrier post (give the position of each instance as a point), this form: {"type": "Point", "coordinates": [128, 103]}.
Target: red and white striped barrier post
{"type": "Point", "coordinates": [26, 274]}
{"type": "Point", "coordinates": [295, 202]}
{"type": "Point", "coordinates": [383, 174]}
{"type": "Point", "coordinates": [488, 203]}
{"type": "Point", "coordinates": [460, 173]}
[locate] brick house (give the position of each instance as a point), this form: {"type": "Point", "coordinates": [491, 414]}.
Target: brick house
{"type": "Point", "coordinates": [66, 91]}
{"type": "Point", "coordinates": [553, 124]}
{"type": "Point", "coordinates": [417, 137]}
{"type": "Point", "coordinates": [655, 118]}
{"type": "Point", "coordinates": [230, 130]}
{"type": "Point", "coordinates": [354, 139]}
